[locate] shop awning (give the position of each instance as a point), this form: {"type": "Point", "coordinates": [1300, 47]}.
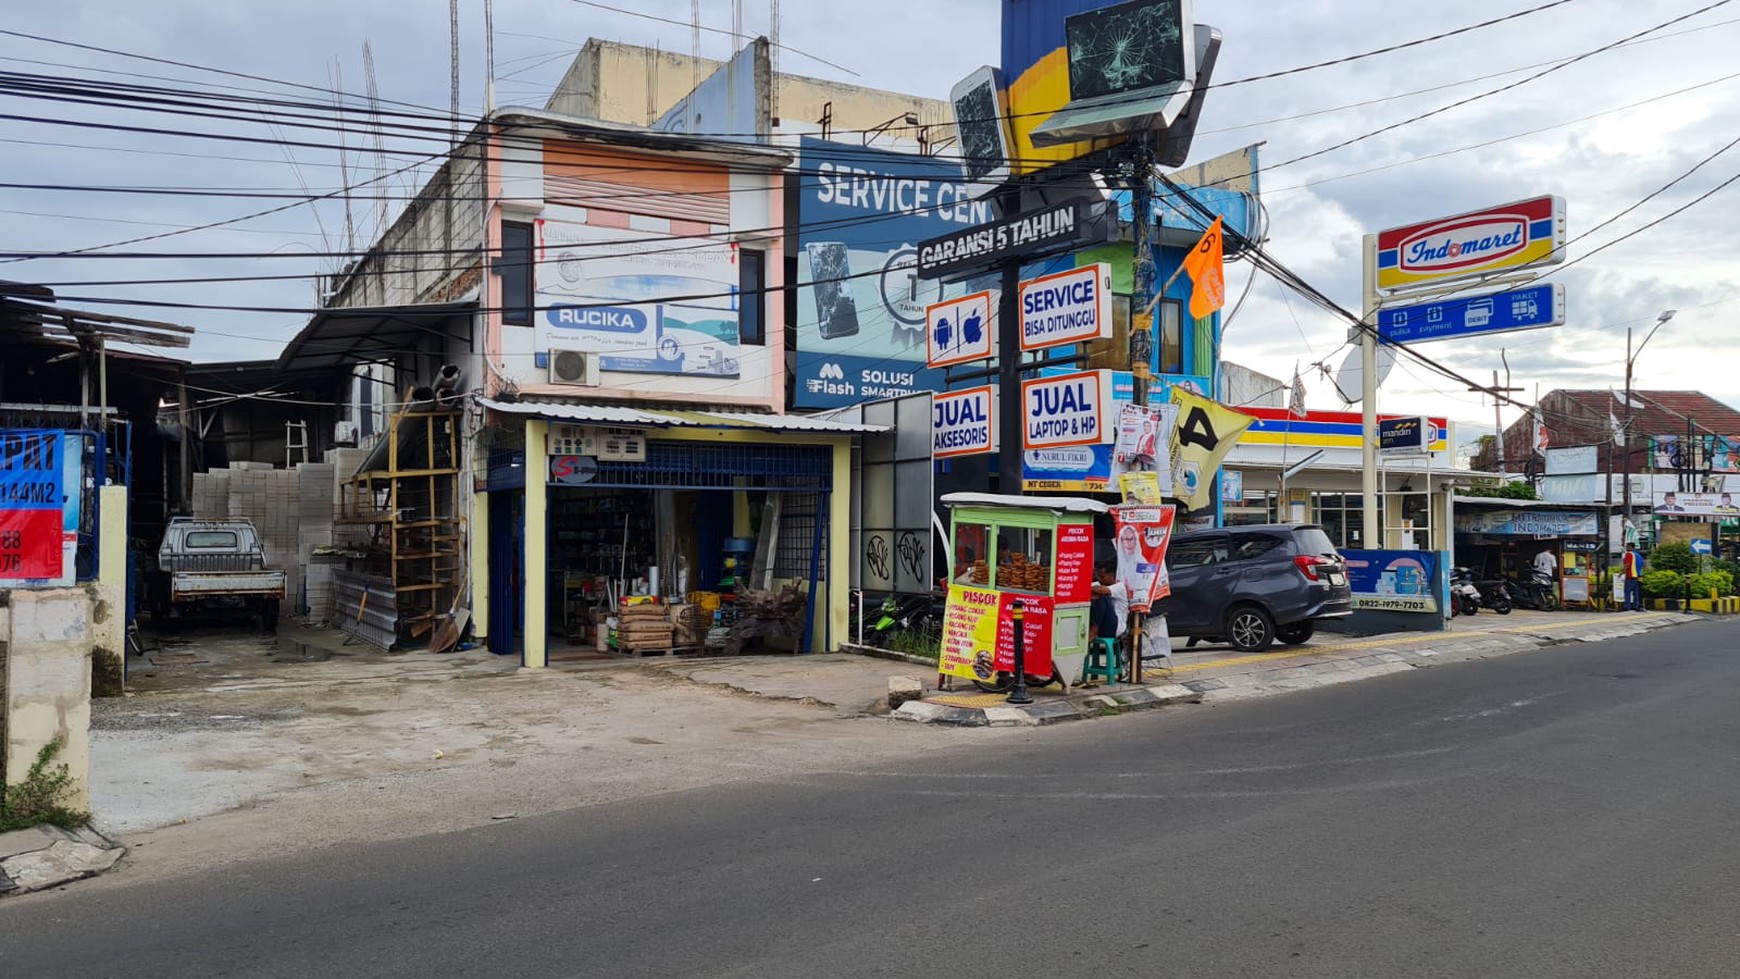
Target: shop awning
{"type": "Point", "coordinates": [346, 335]}
{"type": "Point", "coordinates": [585, 414]}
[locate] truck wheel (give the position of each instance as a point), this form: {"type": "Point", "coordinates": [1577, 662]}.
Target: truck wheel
{"type": "Point", "coordinates": [269, 615]}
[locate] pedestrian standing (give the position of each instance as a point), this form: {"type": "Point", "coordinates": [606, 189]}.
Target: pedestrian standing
{"type": "Point", "coordinates": [1632, 568]}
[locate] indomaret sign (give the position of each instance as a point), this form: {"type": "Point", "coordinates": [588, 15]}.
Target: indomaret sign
{"type": "Point", "coordinates": [1057, 228]}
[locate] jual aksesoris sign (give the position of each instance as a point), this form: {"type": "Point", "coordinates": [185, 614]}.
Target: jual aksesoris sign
{"type": "Point", "coordinates": [1520, 235]}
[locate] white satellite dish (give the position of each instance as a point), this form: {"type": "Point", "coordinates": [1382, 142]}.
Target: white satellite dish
{"type": "Point", "coordinates": [1348, 382]}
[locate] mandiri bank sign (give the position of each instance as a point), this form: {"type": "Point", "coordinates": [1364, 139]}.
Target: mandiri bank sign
{"type": "Point", "coordinates": [1504, 238]}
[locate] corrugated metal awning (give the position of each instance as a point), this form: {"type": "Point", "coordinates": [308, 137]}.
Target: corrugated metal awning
{"type": "Point", "coordinates": [674, 418]}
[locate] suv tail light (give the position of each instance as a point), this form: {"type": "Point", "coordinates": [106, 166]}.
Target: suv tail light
{"type": "Point", "coordinates": [1308, 565]}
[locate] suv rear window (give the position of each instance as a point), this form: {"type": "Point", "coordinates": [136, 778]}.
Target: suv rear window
{"type": "Point", "coordinates": [1248, 546]}
{"type": "Point", "coordinates": [211, 538]}
{"type": "Point", "coordinates": [1312, 540]}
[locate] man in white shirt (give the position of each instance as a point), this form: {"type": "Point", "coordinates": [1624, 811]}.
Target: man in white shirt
{"type": "Point", "coordinates": [1110, 612]}
{"type": "Point", "coordinates": [1547, 566]}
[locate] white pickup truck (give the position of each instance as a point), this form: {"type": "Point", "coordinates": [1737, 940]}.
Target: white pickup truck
{"type": "Point", "coordinates": [214, 565]}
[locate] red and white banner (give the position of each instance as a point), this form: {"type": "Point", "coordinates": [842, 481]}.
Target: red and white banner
{"type": "Point", "coordinates": [1142, 535]}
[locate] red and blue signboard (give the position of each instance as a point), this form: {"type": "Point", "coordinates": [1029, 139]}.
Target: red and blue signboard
{"type": "Point", "coordinates": [1509, 237]}
{"type": "Point", "coordinates": [34, 509]}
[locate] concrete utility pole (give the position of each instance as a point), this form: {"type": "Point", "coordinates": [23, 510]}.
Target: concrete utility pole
{"type": "Point", "coordinates": [1498, 399]}
{"type": "Point", "coordinates": [1630, 359]}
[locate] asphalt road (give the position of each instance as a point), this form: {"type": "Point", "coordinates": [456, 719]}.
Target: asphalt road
{"type": "Point", "coordinates": [1566, 813]}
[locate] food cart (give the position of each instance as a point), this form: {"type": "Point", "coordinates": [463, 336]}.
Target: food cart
{"type": "Point", "coordinates": [1033, 549]}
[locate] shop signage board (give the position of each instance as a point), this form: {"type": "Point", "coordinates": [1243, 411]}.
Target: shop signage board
{"type": "Point", "coordinates": [573, 470]}
{"type": "Point", "coordinates": [1573, 460]}
{"type": "Point", "coordinates": [1323, 429]}
{"type": "Point", "coordinates": [959, 331]}
{"type": "Point", "coordinates": [862, 213]}
{"type": "Point", "coordinates": [978, 634]}
{"type": "Point", "coordinates": [1509, 237]}
{"type": "Point", "coordinates": [1058, 412]}
{"type": "Point", "coordinates": [1393, 581]}
{"type": "Point", "coordinates": [1068, 307]}
{"type": "Point", "coordinates": [1026, 237]}
{"type": "Point", "coordinates": [1502, 312]}
{"type": "Point", "coordinates": [1404, 436]}
{"type": "Point", "coordinates": [1696, 504]}
{"type": "Point", "coordinates": [1232, 486]}
{"type": "Point", "coordinates": [39, 484]}
{"type": "Point", "coordinates": [1527, 523]}
{"type": "Point", "coordinates": [640, 328]}
{"type": "Point", "coordinates": [1095, 468]}
{"type": "Point", "coordinates": [964, 422]}
{"type": "Point", "coordinates": [1072, 571]}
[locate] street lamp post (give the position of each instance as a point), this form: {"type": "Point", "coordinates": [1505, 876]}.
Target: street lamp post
{"type": "Point", "coordinates": [1631, 358]}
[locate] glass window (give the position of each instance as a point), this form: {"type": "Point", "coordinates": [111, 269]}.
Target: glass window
{"type": "Point", "coordinates": [1248, 546]}
{"type": "Point", "coordinates": [515, 269]}
{"type": "Point", "coordinates": [1171, 336]}
{"type": "Point", "coordinates": [211, 538]}
{"type": "Point", "coordinates": [1023, 559]}
{"type": "Point", "coordinates": [972, 564]}
{"type": "Point", "coordinates": [752, 296]}
{"type": "Point", "coordinates": [1197, 552]}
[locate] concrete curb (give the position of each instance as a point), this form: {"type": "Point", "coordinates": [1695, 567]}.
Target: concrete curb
{"type": "Point", "coordinates": [1076, 707]}
{"type": "Point", "coordinates": [42, 857]}
{"type": "Point", "coordinates": [1326, 668]}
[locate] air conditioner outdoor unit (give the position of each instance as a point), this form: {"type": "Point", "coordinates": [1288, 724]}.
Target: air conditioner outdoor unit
{"type": "Point", "coordinates": [344, 433]}
{"type": "Point", "coordinates": [575, 368]}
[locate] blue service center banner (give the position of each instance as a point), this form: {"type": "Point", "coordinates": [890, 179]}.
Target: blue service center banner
{"type": "Point", "coordinates": [860, 305]}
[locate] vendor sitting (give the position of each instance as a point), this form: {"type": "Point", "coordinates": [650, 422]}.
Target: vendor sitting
{"type": "Point", "coordinates": [1110, 611]}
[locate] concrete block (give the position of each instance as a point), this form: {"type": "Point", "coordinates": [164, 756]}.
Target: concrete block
{"type": "Point", "coordinates": [1052, 712]}
{"type": "Point", "coordinates": [1175, 693]}
{"type": "Point", "coordinates": [1008, 717]}
{"type": "Point", "coordinates": [902, 689]}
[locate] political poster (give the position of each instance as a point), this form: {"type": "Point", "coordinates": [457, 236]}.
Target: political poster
{"type": "Point", "coordinates": [978, 635]}
{"type": "Point", "coordinates": [1141, 536]}
{"type": "Point", "coordinates": [38, 518]}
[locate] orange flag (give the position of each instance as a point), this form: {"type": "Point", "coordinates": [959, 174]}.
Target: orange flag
{"type": "Point", "coordinates": [1207, 273]}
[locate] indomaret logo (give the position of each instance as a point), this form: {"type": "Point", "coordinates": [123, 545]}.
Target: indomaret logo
{"type": "Point", "coordinates": [1465, 243]}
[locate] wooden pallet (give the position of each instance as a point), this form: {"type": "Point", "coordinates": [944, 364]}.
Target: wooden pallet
{"type": "Point", "coordinates": [659, 651]}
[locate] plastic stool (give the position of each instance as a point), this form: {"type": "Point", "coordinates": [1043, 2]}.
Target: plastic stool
{"type": "Point", "coordinates": [1102, 661]}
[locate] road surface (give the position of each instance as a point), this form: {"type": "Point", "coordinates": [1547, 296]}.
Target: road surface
{"type": "Point", "coordinates": [1564, 813]}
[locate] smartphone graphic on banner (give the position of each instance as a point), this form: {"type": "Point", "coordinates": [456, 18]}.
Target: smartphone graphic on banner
{"type": "Point", "coordinates": [830, 272]}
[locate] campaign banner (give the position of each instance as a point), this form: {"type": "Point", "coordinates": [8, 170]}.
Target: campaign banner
{"type": "Point", "coordinates": [861, 323]}
{"type": "Point", "coordinates": [1393, 581]}
{"type": "Point", "coordinates": [1206, 431]}
{"type": "Point", "coordinates": [1065, 411]}
{"type": "Point", "coordinates": [1696, 504]}
{"type": "Point", "coordinates": [978, 635]}
{"type": "Point", "coordinates": [963, 422]}
{"type": "Point", "coordinates": [34, 509]}
{"type": "Point", "coordinates": [1140, 541]}
{"type": "Point", "coordinates": [1141, 487]}
{"type": "Point", "coordinates": [1068, 307]}
{"type": "Point", "coordinates": [959, 331]}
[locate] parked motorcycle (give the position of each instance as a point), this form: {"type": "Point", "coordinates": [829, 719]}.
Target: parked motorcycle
{"type": "Point", "coordinates": [900, 613]}
{"type": "Point", "coordinates": [1465, 598]}
{"type": "Point", "coordinates": [1491, 594]}
{"type": "Point", "coordinates": [1534, 591]}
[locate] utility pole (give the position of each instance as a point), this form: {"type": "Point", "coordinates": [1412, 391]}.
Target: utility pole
{"type": "Point", "coordinates": [1371, 534]}
{"type": "Point", "coordinates": [1141, 332]}
{"type": "Point", "coordinates": [1498, 399]}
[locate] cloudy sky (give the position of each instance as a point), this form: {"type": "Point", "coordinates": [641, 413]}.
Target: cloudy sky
{"type": "Point", "coordinates": [1568, 133]}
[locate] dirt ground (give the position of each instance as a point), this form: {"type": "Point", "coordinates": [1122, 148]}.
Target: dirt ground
{"type": "Point", "coordinates": [228, 736]}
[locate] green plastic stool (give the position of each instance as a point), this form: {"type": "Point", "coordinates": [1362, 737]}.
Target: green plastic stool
{"type": "Point", "coordinates": [1102, 661]}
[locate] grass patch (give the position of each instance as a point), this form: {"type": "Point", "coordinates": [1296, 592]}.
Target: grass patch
{"type": "Point", "coordinates": [37, 799]}
{"type": "Point", "coordinates": [922, 643]}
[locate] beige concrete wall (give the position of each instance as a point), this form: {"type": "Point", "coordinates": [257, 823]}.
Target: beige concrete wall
{"type": "Point", "coordinates": [109, 593]}
{"type": "Point", "coordinates": [48, 682]}
{"type": "Point", "coordinates": [635, 85]}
